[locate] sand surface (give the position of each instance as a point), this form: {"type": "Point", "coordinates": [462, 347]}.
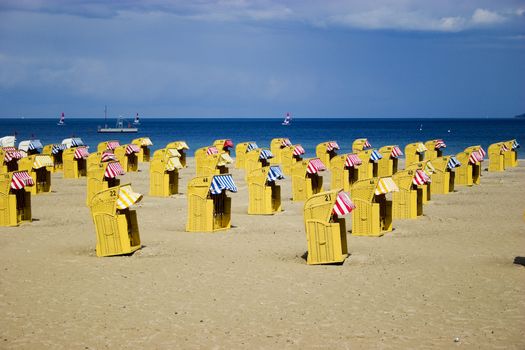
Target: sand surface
{"type": "Point", "coordinates": [446, 275]}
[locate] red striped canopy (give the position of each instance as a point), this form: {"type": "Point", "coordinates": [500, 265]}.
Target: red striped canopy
{"type": "Point", "coordinates": [11, 153]}
{"type": "Point", "coordinates": [21, 179]}
{"type": "Point", "coordinates": [81, 153]}
{"type": "Point", "coordinates": [286, 143]}
{"type": "Point", "coordinates": [113, 144]}
{"type": "Point", "coordinates": [475, 157]}
{"type": "Point", "coordinates": [331, 145]}
{"type": "Point", "coordinates": [212, 150]}
{"type": "Point", "coordinates": [504, 148]}
{"type": "Point", "coordinates": [343, 205]}
{"type": "Point", "coordinates": [439, 143]}
{"type": "Point", "coordinates": [352, 160]}
{"type": "Point", "coordinates": [396, 152]}
{"type": "Point", "coordinates": [367, 145]}
{"type": "Point", "coordinates": [482, 152]}
{"type": "Point", "coordinates": [107, 156]}
{"type": "Point", "coordinates": [228, 144]}
{"type": "Point", "coordinates": [132, 148]}
{"type": "Point", "coordinates": [314, 166]}
{"type": "Point", "coordinates": [113, 169]}
{"type": "Point", "coordinates": [420, 178]}
{"type": "Point", "coordinates": [298, 150]}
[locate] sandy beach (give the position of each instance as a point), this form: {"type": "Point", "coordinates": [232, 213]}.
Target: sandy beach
{"type": "Point", "coordinates": [444, 280]}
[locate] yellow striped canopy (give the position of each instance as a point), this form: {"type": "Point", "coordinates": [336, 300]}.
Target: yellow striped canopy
{"type": "Point", "coordinates": [421, 148]}
{"type": "Point", "coordinates": [173, 163]}
{"type": "Point", "coordinates": [126, 197]}
{"type": "Point", "coordinates": [225, 159]}
{"type": "Point", "coordinates": [42, 161]}
{"type": "Point", "coordinates": [386, 185]}
{"type": "Point", "coordinates": [172, 152]}
{"type": "Point", "coordinates": [146, 142]}
{"type": "Point", "coordinates": [429, 168]}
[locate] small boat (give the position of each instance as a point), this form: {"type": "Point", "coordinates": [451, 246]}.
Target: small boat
{"type": "Point", "coordinates": [287, 120]}
{"type": "Point", "coordinates": [119, 127]}
{"type": "Point", "coordinates": [137, 120]}
{"type": "Point", "coordinates": [421, 127]}
{"type": "Point", "coordinates": [62, 122]}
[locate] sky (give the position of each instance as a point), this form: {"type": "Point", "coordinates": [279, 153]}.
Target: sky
{"type": "Point", "coordinates": [262, 58]}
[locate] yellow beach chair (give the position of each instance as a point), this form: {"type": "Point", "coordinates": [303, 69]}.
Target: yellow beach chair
{"type": "Point", "coordinates": [30, 147]}
{"type": "Point", "coordinates": [434, 149]}
{"type": "Point", "coordinates": [326, 151]}
{"type": "Point", "coordinates": [414, 152]}
{"type": "Point", "coordinates": [240, 153]}
{"type": "Point", "coordinates": [306, 180]}
{"type": "Point", "coordinates": [290, 156]}
{"type": "Point", "coordinates": [164, 173]}
{"type": "Point", "coordinates": [116, 225]}
{"type": "Point", "coordinates": [264, 193]}
{"type": "Point", "coordinates": [325, 228]}
{"type": "Point", "coordinates": [373, 213]}
{"type": "Point", "coordinates": [389, 163]}
{"type": "Point", "coordinates": [276, 147]}
{"type": "Point", "coordinates": [429, 169]}
{"type": "Point", "coordinates": [224, 145]}
{"type": "Point", "coordinates": [256, 159]}
{"type": "Point", "coordinates": [15, 200]}
{"type": "Point", "coordinates": [38, 166]}
{"type": "Point", "coordinates": [360, 145]}
{"type": "Point", "coordinates": [407, 203]}
{"type": "Point", "coordinates": [209, 208]}
{"type": "Point", "coordinates": [127, 156]}
{"type": "Point", "coordinates": [99, 157]}
{"type": "Point", "coordinates": [181, 147]}
{"type": "Point", "coordinates": [444, 175]}
{"type": "Point", "coordinates": [9, 156]}
{"type": "Point", "coordinates": [345, 171]}
{"type": "Point", "coordinates": [208, 161]}
{"type": "Point", "coordinates": [108, 145]}
{"type": "Point", "coordinates": [144, 153]}
{"type": "Point", "coordinates": [55, 151]}
{"type": "Point", "coordinates": [468, 173]}
{"type": "Point", "coordinates": [511, 155]}
{"type": "Point", "coordinates": [102, 176]}
{"type": "Point", "coordinates": [75, 162]}
{"type": "Point", "coordinates": [370, 167]}
{"type": "Point", "coordinates": [496, 153]}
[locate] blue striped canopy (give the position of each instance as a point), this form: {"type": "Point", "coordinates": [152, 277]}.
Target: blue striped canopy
{"type": "Point", "coordinates": [275, 173]}
{"type": "Point", "coordinates": [375, 155]}
{"type": "Point", "coordinates": [453, 163]}
{"type": "Point", "coordinates": [515, 144]}
{"type": "Point", "coordinates": [58, 148]}
{"type": "Point", "coordinates": [251, 147]}
{"type": "Point", "coordinates": [220, 183]}
{"type": "Point", "coordinates": [35, 144]}
{"type": "Point", "coordinates": [265, 154]}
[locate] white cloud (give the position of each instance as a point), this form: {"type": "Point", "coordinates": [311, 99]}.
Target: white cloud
{"type": "Point", "coordinates": [483, 17]}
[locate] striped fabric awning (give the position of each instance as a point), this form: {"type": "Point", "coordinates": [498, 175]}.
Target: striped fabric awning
{"type": "Point", "coordinates": [286, 143]}
{"type": "Point", "coordinates": [225, 159]}
{"type": "Point", "coordinates": [396, 152]}
{"type": "Point", "coordinates": [127, 197]}
{"type": "Point", "coordinates": [439, 143]}
{"type": "Point", "coordinates": [375, 156]}
{"type": "Point", "coordinates": [331, 145]}
{"type": "Point", "coordinates": [386, 185]}
{"type": "Point", "coordinates": [314, 166]}
{"type": "Point", "coordinates": [81, 153]}
{"type": "Point", "coordinates": [275, 173]}
{"type": "Point", "coordinates": [504, 148]}
{"type": "Point", "coordinates": [73, 142]}
{"type": "Point", "coordinates": [352, 160]}
{"type": "Point", "coordinates": [30, 145]}
{"type": "Point", "coordinates": [146, 141]}
{"type": "Point", "coordinates": [251, 146]}
{"type": "Point", "coordinates": [56, 149]}
{"type": "Point", "coordinates": [11, 153]}
{"type": "Point", "coordinates": [220, 183]}
{"type": "Point", "coordinates": [212, 150]}
{"type": "Point", "coordinates": [343, 205]}
{"type": "Point", "coordinates": [515, 144]}
{"type": "Point", "coordinates": [453, 162]}
{"type": "Point", "coordinates": [112, 145]}
{"type": "Point", "coordinates": [172, 152]}
{"type": "Point", "coordinates": [420, 178]}
{"type": "Point", "coordinates": [173, 163]}
{"type": "Point", "coordinates": [429, 168]}
{"type": "Point", "coordinates": [42, 161]}
{"type": "Point", "coordinates": [107, 156]}
{"type": "Point", "coordinates": [131, 148]}
{"type": "Point", "coordinates": [482, 152]}
{"type": "Point", "coordinates": [475, 157]}
{"type": "Point", "coordinates": [366, 145]}
{"type": "Point", "coordinates": [265, 154]}
{"type": "Point", "coordinates": [228, 144]}
{"type": "Point", "coordinates": [298, 150]}
{"type": "Point", "coordinates": [421, 148]}
{"type": "Point", "coordinates": [113, 170]}
{"type": "Point", "coordinates": [21, 179]}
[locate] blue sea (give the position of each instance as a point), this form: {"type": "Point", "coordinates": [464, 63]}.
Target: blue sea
{"type": "Point", "coordinates": [457, 133]}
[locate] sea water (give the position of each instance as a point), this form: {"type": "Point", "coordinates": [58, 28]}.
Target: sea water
{"type": "Point", "coordinates": [457, 133]}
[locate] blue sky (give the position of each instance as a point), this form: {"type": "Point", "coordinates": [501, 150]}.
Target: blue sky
{"type": "Point", "coordinates": [403, 58]}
